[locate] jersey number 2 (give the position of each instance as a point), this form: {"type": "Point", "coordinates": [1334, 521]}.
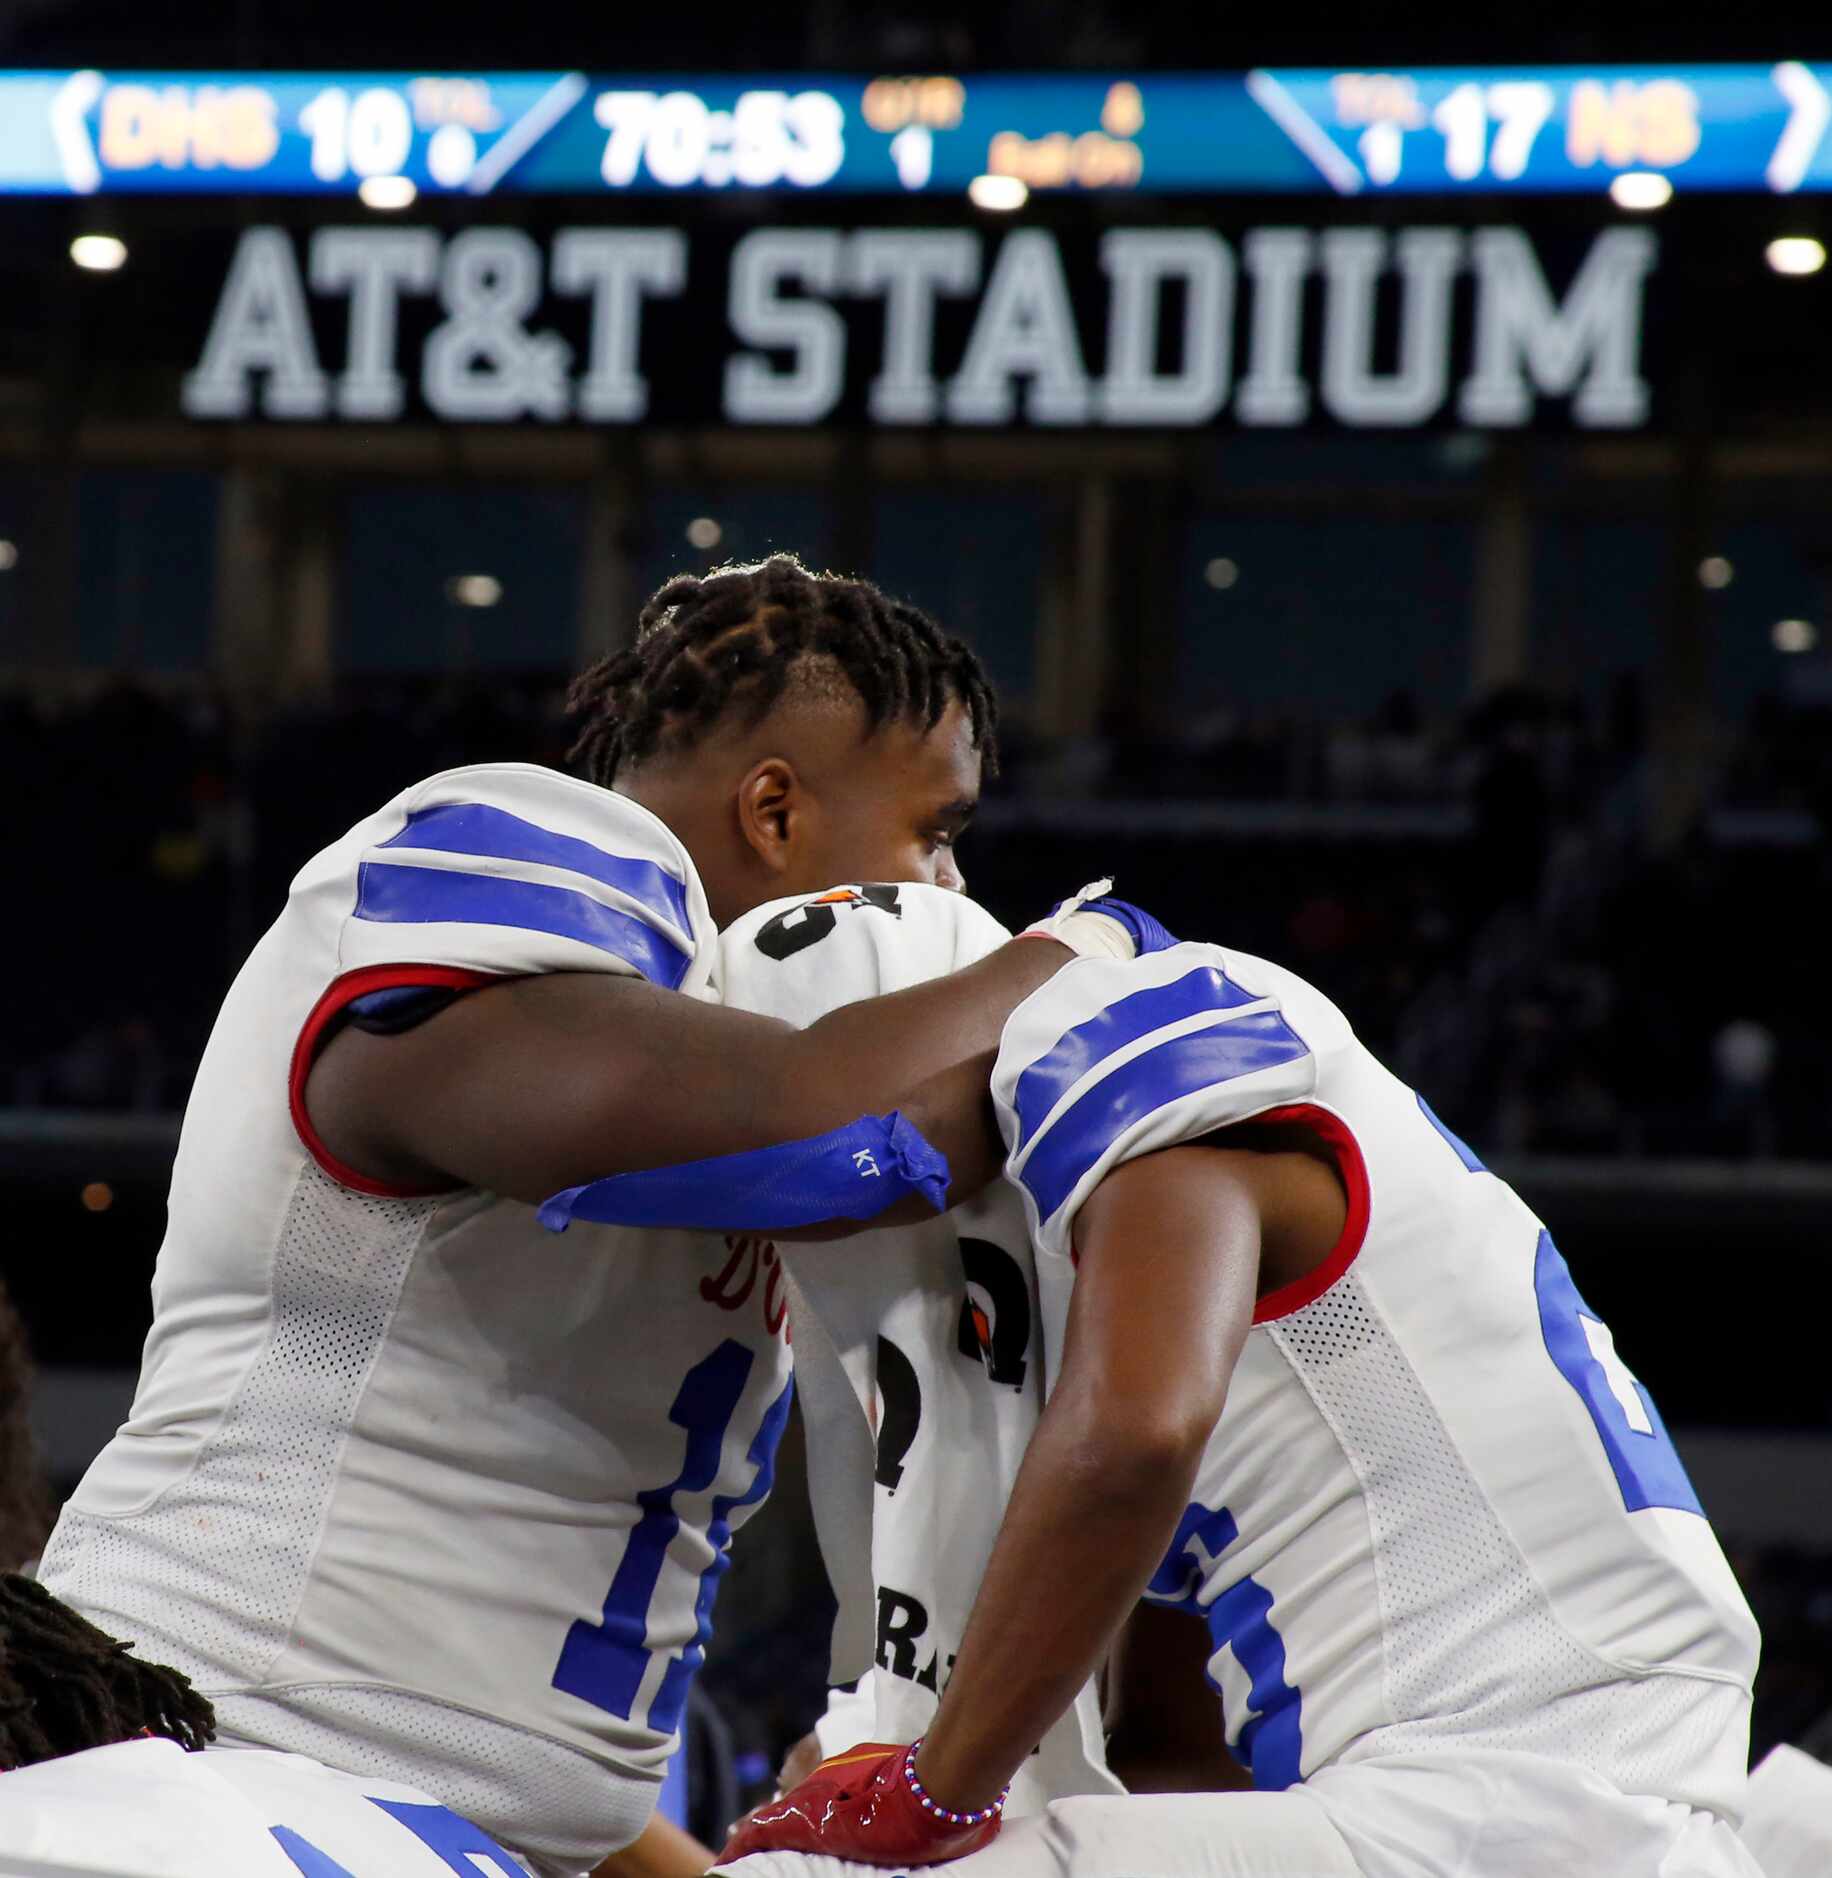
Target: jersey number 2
{"type": "Point", "coordinates": [605, 1663]}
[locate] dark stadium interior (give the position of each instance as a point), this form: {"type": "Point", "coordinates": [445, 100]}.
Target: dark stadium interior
{"type": "Point", "coordinates": [1516, 742]}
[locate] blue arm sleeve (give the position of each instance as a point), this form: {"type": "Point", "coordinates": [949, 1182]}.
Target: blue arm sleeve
{"type": "Point", "coordinates": [855, 1172]}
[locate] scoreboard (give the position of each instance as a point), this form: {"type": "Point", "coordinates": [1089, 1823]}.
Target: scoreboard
{"type": "Point", "coordinates": [1435, 131]}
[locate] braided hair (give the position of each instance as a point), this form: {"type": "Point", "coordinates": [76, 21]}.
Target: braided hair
{"type": "Point", "coordinates": [736, 639]}
{"type": "Point", "coordinates": [64, 1685]}
{"type": "Point", "coordinates": [25, 1506]}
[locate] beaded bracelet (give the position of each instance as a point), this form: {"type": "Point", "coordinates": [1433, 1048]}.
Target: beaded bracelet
{"type": "Point", "coordinates": [941, 1812]}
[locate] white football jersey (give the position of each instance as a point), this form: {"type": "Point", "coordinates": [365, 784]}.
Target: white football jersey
{"type": "Point", "coordinates": [921, 1354]}
{"type": "Point", "coordinates": [410, 1485]}
{"type": "Point", "coordinates": [147, 1809]}
{"type": "Point", "coordinates": [1438, 1513]}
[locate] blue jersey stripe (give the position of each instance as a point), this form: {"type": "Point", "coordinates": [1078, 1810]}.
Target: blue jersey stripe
{"type": "Point", "coordinates": [1645, 1462]}
{"type": "Point", "coordinates": [1124, 1021]}
{"type": "Point", "coordinates": [1463, 1151]}
{"type": "Point", "coordinates": [476, 828]}
{"type": "Point", "coordinates": [1222, 1053]}
{"type": "Point", "coordinates": [435, 895]}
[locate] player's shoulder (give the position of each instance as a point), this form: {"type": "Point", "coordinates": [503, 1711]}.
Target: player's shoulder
{"type": "Point", "coordinates": [513, 810]}
{"type": "Point", "coordinates": [545, 801]}
{"type": "Point", "coordinates": [1194, 980]}
{"type": "Point", "coordinates": [801, 957]}
{"type": "Point", "coordinates": [1114, 1058]}
{"type": "Point", "coordinates": [1312, 1010]}
{"type": "Point", "coordinates": [510, 868]}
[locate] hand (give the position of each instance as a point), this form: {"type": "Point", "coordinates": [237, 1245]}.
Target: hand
{"type": "Point", "coordinates": [1097, 925]}
{"type": "Point", "coordinates": [800, 1761]}
{"type": "Point", "coordinates": [862, 1806]}
{"type": "Point", "coordinates": [660, 1850]}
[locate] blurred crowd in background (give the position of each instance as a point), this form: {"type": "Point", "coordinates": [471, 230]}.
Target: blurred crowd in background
{"type": "Point", "coordinates": [1473, 890]}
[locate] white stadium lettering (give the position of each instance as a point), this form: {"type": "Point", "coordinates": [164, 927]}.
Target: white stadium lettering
{"type": "Point", "coordinates": [1026, 327]}
{"type": "Point", "coordinates": [483, 364]}
{"type": "Point", "coordinates": [374, 266]}
{"type": "Point", "coordinates": [756, 391]}
{"type": "Point", "coordinates": [1274, 391]}
{"type": "Point", "coordinates": [910, 267]}
{"type": "Point", "coordinates": [1353, 260]}
{"type": "Point", "coordinates": [260, 326]}
{"type": "Point", "coordinates": [618, 267]}
{"type": "Point", "coordinates": [1139, 261]}
{"type": "Point", "coordinates": [1593, 334]}
{"type": "Point", "coordinates": [825, 316]}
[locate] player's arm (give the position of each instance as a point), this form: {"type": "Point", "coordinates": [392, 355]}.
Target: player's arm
{"type": "Point", "coordinates": [660, 1850]}
{"type": "Point", "coordinates": [1169, 1252]}
{"type": "Point", "coordinates": [1169, 1249]}
{"type": "Point", "coordinates": [548, 1082]}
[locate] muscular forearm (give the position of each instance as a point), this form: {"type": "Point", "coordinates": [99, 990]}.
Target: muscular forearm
{"type": "Point", "coordinates": [551, 1082]}
{"type": "Point", "coordinates": [1089, 1520]}
{"type": "Point", "coordinates": [1169, 1249]}
{"type": "Point", "coordinates": [662, 1851]}
{"type": "Point", "coordinates": [928, 1052]}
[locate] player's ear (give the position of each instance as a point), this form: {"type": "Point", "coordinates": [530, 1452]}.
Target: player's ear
{"type": "Point", "coordinates": [772, 804]}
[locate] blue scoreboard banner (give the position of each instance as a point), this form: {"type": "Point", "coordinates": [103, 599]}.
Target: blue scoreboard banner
{"type": "Point", "coordinates": [1433, 131]}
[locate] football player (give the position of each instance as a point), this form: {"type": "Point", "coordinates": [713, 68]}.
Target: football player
{"type": "Point", "coordinates": [410, 1487]}
{"type": "Point", "coordinates": [25, 1500]}
{"type": "Point", "coordinates": [917, 1350]}
{"type": "Point", "coordinates": [1326, 1386]}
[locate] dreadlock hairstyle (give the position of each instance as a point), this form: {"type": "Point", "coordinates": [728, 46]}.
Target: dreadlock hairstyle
{"type": "Point", "coordinates": [25, 1505]}
{"type": "Point", "coordinates": [64, 1685]}
{"type": "Point", "coordinates": [734, 640]}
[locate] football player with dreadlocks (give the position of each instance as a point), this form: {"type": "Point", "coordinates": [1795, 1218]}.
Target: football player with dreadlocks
{"type": "Point", "coordinates": [409, 1486]}
{"type": "Point", "coordinates": [63, 1684]}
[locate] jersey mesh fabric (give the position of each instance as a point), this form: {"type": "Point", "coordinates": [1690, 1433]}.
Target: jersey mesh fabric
{"type": "Point", "coordinates": [1475, 1657]}
{"type": "Point", "coordinates": [262, 1480]}
{"type": "Point", "coordinates": [489, 1771]}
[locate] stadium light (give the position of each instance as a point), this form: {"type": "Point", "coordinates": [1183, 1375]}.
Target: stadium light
{"type": "Point", "coordinates": [387, 192]}
{"type": "Point", "coordinates": [1794, 635]}
{"type": "Point", "coordinates": [99, 254]}
{"type": "Point", "coordinates": [1715, 572]}
{"type": "Point", "coordinates": [1796, 254]}
{"type": "Point", "coordinates": [9, 556]}
{"type": "Point", "coordinates": [474, 589]}
{"type": "Point", "coordinates": [1221, 572]}
{"type": "Point", "coordinates": [704, 533]}
{"type": "Point", "coordinates": [1640, 190]}
{"type": "Point", "coordinates": [999, 194]}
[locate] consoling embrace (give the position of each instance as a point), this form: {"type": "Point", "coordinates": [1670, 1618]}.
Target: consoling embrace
{"type": "Point", "coordinates": [1236, 1373]}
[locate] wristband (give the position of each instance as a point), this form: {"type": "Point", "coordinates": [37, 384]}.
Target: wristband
{"type": "Point", "coordinates": [930, 1805]}
{"type": "Point", "coordinates": [1090, 935]}
{"type": "Point", "coordinates": [1095, 925]}
{"type": "Point", "coordinates": [856, 1172]}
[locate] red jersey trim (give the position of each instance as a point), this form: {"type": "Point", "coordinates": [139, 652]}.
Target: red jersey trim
{"type": "Point", "coordinates": [1354, 1171]}
{"type": "Point", "coordinates": [340, 993]}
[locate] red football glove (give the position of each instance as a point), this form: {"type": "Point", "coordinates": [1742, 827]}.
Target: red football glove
{"type": "Point", "coordinates": [865, 1806]}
